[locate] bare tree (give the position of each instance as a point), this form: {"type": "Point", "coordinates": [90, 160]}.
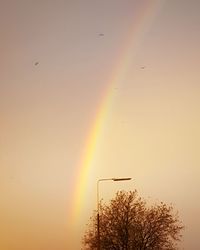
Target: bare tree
{"type": "Point", "coordinates": [127, 223]}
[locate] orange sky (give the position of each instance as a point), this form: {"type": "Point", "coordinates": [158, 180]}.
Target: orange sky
{"type": "Point", "coordinates": [151, 132]}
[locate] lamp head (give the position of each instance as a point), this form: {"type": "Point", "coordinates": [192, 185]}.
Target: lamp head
{"type": "Point", "coordinates": [121, 179]}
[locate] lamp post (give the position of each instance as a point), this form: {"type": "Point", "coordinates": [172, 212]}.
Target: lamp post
{"type": "Point", "coordinates": [98, 221]}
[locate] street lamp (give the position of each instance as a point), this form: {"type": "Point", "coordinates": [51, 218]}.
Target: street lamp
{"type": "Point", "coordinates": [98, 222]}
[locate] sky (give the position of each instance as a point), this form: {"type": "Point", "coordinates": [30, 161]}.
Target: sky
{"type": "Point", "coordinates": [96, 89]}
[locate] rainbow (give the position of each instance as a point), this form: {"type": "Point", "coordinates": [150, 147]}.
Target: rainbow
{"type": "Point", "coordinates": [145, 17]}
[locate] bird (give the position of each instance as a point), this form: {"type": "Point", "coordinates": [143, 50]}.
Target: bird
{"type": "Point", "coordinates": [101, 34]}
{"type": "Point", "coordinates": [36, 63]}
{"type": "Point", "coordinates": [143, 67]}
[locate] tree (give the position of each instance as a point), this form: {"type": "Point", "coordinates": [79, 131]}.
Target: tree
{"type": "Point", "coordinates": [127, 223]}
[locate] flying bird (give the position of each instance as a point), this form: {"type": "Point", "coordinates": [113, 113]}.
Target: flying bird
{"type": "Point", "coordinates": [101, 34]}
{"type": "Point", "coordinates": [36, 63]}
{"type": "Point", "coordinates": [143, 67]}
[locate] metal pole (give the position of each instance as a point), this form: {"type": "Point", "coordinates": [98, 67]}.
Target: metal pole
{"type": "Point", "coordinates": [98, 217]}
{"type": "Point", "coordinates": [98, 224]}
{"type": "Point", "coordinates": [98, 233]}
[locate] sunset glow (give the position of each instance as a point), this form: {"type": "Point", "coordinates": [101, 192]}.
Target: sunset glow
{"type": "Point", "coordinates": [92, 90]}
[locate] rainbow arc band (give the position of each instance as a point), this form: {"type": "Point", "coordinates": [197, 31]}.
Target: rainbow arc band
{"type": "Point", "coordinates": [98, 220]}
{"type": "Point", "coordinates": [142, 20]}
